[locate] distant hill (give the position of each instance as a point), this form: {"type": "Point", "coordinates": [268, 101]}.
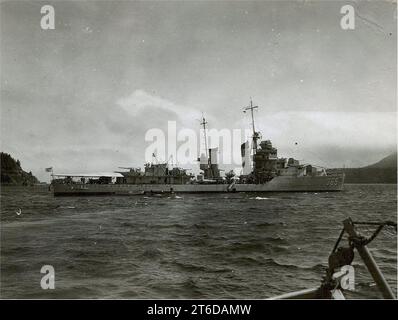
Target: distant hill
{"type": "Point", "coordinates": [383, 171]}
{"type": "Point", "coordinates": [12, 173]}
{"type": "Point", "coordinates": [386, 163]}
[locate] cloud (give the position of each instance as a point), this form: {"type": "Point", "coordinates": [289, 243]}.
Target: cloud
{"type": "Point", "coordinates": [82, 101]}
{"type": "Point", "coordinates": [137, 101]}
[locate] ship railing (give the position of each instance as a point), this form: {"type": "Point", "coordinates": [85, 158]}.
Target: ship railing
{"type": "Point", "coordinates": [339, 265]}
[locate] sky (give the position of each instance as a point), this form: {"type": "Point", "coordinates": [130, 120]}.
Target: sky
{"type": "Point", "coordinates": [81, 97]}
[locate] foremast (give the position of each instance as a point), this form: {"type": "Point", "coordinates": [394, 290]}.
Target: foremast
{"type": "Point", "coordinates": [265, 161]}
{"type": "Point", "coordinates": [256, 135]}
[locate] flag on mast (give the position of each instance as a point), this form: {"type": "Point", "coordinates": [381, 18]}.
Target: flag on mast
{"type": "Point", "coordinates": [49, 169]}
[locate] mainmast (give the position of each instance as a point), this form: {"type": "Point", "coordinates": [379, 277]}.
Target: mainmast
{"type": "Point", "coordinates": [203, 123]}
{"type": "Point", "coordinates": [255, 134]}
{"type": "Point", "coordinates": [210, 170]}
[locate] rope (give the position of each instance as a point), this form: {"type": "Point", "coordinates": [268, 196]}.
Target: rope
{"type": "Point", "coordinates": [385, 223]}
{"type": "Point", "coordinates": [363, 241]}
{"type": "Point", "coordinates": [338, 240]}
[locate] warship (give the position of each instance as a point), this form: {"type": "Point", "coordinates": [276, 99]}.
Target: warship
{"type": "Point", "coordinates": [262, 171]}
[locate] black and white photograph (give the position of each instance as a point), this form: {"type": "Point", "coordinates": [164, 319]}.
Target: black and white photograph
{"type": "Point", "coordinates": [171, 151]}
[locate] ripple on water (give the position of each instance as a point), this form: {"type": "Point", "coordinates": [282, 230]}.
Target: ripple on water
{"type": "Point", "coordinates": [199, 246]}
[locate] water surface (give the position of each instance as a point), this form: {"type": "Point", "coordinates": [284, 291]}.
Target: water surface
{"type": "Point", "coordinates": [191, 246]}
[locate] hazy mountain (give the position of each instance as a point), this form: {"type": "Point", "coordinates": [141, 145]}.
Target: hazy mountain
{"type": "Point", "coordinates": [383, 171]}
{"type": "Point", "coordinates": [387, 162]}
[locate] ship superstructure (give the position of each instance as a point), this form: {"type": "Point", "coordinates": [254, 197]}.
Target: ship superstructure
{"type": "Point", "coordinates": [262, 171]}
{"type": "Point", "coordinates": [154, 174]}
{"type": "Point", "coordinates": [265, 162]}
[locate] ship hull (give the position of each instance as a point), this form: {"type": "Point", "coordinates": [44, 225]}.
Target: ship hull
{"type": "Point", "coordinates": [277, 184]}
